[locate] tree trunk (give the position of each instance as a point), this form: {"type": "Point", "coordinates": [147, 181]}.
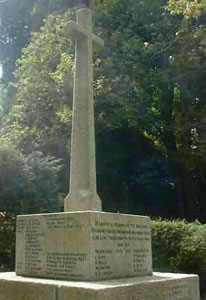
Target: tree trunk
{"type": "Point", "coordinates": [190, 202]}
{"type": "Point", "coordinates": [169, 140]}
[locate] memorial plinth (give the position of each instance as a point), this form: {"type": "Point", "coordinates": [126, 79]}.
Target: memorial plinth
{"type": "Point", "coordinates": [83, 246]}
{"type": "Point", "coordinates": [160, 286]}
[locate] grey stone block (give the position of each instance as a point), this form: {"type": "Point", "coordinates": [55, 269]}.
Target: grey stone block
{"type": "Point", "coordinates": [83, 246]}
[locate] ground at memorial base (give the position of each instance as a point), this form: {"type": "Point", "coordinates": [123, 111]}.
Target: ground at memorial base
{"type": "Point", "coordinates": [160, 286]}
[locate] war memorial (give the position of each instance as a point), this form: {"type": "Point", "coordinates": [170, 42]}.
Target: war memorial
{"type": "Point", "coordinates": [84, 253]}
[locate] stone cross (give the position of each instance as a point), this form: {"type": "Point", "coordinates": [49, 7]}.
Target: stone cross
{"type": "Point", "coordinates": [83, 195]}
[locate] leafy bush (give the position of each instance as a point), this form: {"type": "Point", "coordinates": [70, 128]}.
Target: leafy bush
{"type": "Point", "coordinates": [42, 190]}
{"type": "Point", "coordinates": [7, 239]}
{"type": "Point", "coordinates": [180, 247]}
{"type": "Point", "coordinates": [12, 178]}
{"type": "Point", "coordinates": [28, 183]}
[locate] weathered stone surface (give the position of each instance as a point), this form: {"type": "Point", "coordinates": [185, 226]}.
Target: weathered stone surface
{"type": "Point", "coordinates": [13, 287]}
{"type": "Point", "coordinates": [83, 194]}
{"type": "Point", "coordinates": [160, 286]}
{"type": "Point", "coordinates": [83, 246]}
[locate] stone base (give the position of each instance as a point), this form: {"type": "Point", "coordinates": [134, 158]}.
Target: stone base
{"type": "Point", "coordinates": [160, 286]}
{"type": "Point", "coordinates": [83, 246]}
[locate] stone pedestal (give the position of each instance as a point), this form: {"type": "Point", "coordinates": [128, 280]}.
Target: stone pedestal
{"type": "Point", "coordinates": [89, 247]}
{"type": "Point", "coordinates": [83, 246]}
{"type": "Point", "coordinates": [160, 286]}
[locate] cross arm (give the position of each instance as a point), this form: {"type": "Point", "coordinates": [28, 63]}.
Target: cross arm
{"type": "Point", "coordinates": [77, 32]}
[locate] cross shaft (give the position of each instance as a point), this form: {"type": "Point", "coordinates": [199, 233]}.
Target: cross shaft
{"type": "Point", "coordinates": [83, 195]}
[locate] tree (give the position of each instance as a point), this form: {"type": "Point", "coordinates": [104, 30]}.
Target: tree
{"type": "Point", "coordinates": [152, 61]}
{"type": "Point", "coordinates": [14, 33]}
{"type": "Point", "coordinates": [187, 8]}
{"type": "Point", "coordinates": [44, 89]}
{"type": "Point", "coordinates": [44, 93]}
{"type": "Point", "coordinates": [11, 180]}
{"type": "Point", "coordinates": [191, 80]}
{"type": "Point", "coordinates": [28, 183]}
{"type": "Point", "coordinates": [147, 92]}
{"type": "Point", "coordinates": [18, 19]}
{"type": "Point", "coordinates": [141, 56]}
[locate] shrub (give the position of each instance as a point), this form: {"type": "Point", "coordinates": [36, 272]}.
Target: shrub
{"type": "Point", "coordinates": [28, 183]}
{"type": "Point", "coordinates": [41, 191]}
{"type": "Point", "coordinates": [12, 178]}
{"type": "Point", "coordinates": [7, 245]}
{"type": "Point", "coordinates": [179, 246]}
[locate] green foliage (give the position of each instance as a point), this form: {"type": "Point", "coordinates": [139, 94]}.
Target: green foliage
{"type": "Point", "coordinates": [12, 179]}
{"type": "Point", "coordinates": [18, 19]}
{"type": "Point", "coordinates": [179, 246]}
{"type": "Point", "coordinates": [128, 173]}
{"type": "Point", "coordinates": [7, 238]}
{"type": "Point", "coordinates": [188, 8]}
{"type": "Point", "coordinates": [138, 77]}
{"type": "Point", "coordinates": [14, 33]}
{"type": "Point", "coordinates": [42, 173]}
{"type": "Point", "coordinates": [152, 74]}
{"type": "Point", "coordinates": [28, 183]}
{"type": "Point", "coordinates": [44, 88]}
{"type": "Point", "coordinates": [149, 82]}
